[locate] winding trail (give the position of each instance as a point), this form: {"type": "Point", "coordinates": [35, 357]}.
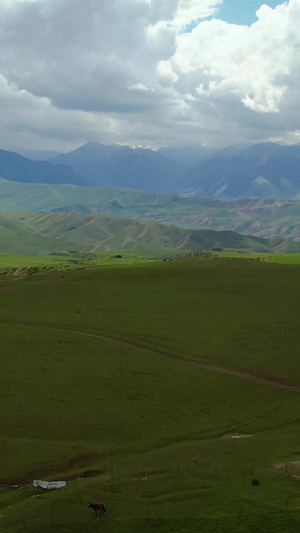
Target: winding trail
{"type": "Point", "coordinates": [261, 378]}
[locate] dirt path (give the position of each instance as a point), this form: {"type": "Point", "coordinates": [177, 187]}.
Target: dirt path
{"type": "Point", "coordinates": [262, 378]}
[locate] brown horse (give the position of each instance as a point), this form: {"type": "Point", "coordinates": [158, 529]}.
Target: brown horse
{"type": "Point", "coordinates": [98, 507]}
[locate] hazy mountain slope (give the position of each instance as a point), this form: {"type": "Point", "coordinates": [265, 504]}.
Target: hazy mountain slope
{"type": "Point", "coordinates": [266, 170]}
{"type": "Point", "coordinates": [38, 155]}
{"type": "Point", "coordinates": [120, 166]}
{"type": "Point", "coordinates": [189, 156]}
{"type": "Point", "coordinates": [263, 151]}
{"type": "Point", "coordinates": [43, 197]}
{"type": "Point", "coordinates": [102, 232]}
{"type": "Point", "coordinates": [18, 168]}
{"type": "Point", "coordinates": [261, 218]}
{"type": "Point", "coordinates": [232, 178]}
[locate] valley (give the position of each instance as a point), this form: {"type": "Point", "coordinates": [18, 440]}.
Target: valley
{"type": "Point", "coordinates": [149, 357]}
{"type": "Point", "coordinates": [149, 266]}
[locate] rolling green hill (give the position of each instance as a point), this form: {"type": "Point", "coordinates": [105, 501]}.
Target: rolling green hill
{"type": "Point", "coordinates": [38, 233]}
{"type": "Point", "coordinates": [261, 218]}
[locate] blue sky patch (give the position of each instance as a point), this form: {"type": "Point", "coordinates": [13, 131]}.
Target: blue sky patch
{"type": "Point", "coordinates": [243, 11]}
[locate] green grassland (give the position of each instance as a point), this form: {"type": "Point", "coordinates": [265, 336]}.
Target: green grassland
{"type": "Point", "coordinates": [24, 265]}
{"type": "Point", "coordinates": [20, 264]}
{"type": "Point", "coordinates": [65, 259]}
{"type": "Point", "coordinates": [92, 395]}
{"type": "Point", "coordinates": [261, 218]}
{"type": "Point", "coordinates": [284, 259]}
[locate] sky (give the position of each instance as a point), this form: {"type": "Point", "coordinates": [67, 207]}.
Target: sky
{"type": "Point", "coordinates": [243, 11]}
{"type": "Point", "coordinates": [148, 73]}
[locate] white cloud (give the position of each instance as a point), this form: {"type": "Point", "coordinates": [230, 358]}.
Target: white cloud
{"type": "Point", "coordinates": [253, 63]}
{"type": "Point", "coordinates": [166, 74]}
{"type": "Point", "coordinates": [189, 11]}
{"type": "Point", "coordinates": [134, 71]}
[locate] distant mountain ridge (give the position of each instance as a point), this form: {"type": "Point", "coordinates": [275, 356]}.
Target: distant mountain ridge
{"type": "Point", "coordinates": [14, 167]}
{"type": "Point", "coordinates": [265, 170]}
{"type": "Point", "coordinates": [118, 166]}
{"type": "Point", "coordinates": [233, 178]}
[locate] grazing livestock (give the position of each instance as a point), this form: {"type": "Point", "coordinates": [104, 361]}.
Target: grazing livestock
{"type": "Point", "coordinates": [98, 507]}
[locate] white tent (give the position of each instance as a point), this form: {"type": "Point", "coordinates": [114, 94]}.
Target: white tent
{"type": "Point", "coordinates": [49, 484]}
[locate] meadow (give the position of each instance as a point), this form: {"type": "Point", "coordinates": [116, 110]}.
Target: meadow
{"type": "Point", "coordinates": [99, 389]}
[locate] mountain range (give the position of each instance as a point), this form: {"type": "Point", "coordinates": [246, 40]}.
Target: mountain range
{"type": "Point", "coordinates": [246, 175]}
{"type": "Point", "coordinates": [265, 170]}
{"type": "Point", "coordinates": [118, 166]}
{"type": "Point", "coordinates": [14, 167]}
{"type": "Point", "coordinates": [249, 190]}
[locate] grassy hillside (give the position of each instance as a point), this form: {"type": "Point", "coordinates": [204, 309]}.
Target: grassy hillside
{"type": "Point", "coordinates": [92, 394]}
{"type": "Point", "coordinates": [261, 218]}
{"type": "Point", "coordinates": [38, 233]}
